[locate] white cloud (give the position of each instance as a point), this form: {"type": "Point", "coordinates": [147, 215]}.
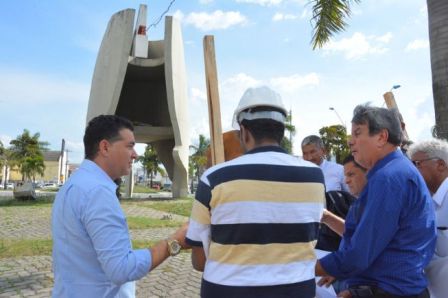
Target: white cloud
{"type": "Point", "coordinates": [357, 46]}
{"type": "Point", "coordinates": [385, 38]}
{"type": "Point", "coordinates": [417, 44]}
{"type": "Point", "coordinates": [261, 2]}
{"type": "Point", "coordinates": [28, 87]}
{"type": "Point", "coordinates": [213, 21]}
{"type": "Point", "coordinates": [231, 90]}
{"type": "Point", "coordinates": [198, 96]}
{"type": "Point", "coordinates": [281, 17]}
{"type": "Point", "coordinates": [294, 82]}
{"type": "Point", "coordinates": [424, 11]}
{"type": "Point", "coordinates": [306, 14]}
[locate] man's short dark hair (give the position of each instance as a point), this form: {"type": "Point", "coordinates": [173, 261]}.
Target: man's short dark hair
{"type": "Point", "coordinates": [103, 127]}
{"type": "Point", "coordinates": [350, 158]}
{"type": "Point", "coordinates": [378, 119]}
{"type": "Point", "coordinates": [265, 129]}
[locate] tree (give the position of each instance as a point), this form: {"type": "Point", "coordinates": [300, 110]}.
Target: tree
{"type": "Point", "coordinates": [335, 141]}
{"type": "Point", "coordinates": [151, 163]}
{"type": "Point", "coordinates": [438, 44]}
{"type": "Point", "coordinates": [27, 154]}
{"type": "Point", "coordinates": [329, 18]}
{"type": "Point", "coordinates": [198, 159]}
{"type": "Point", "coordinates": [286, 142]}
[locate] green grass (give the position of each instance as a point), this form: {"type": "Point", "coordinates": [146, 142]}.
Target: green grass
{"type": "Point", "coordinates": [139, 189]}
{"type": "Point", "coordinates": [180, 206]}
{"type": "Point", "coordinates": [22, 248]}
{"type": "Point", "coordinates": [44, 201]}
{"type": "Point", "coordinates": [136, 223]}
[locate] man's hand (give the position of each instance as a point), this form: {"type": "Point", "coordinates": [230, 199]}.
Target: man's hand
{"type": "Point", "coordinates": [326, 281]}
{"type": "Point", "coordinates": [180, 234]}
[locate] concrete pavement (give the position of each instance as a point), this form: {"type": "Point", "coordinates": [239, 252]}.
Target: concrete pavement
{"type": "Point", "coordinates": [33, 276]}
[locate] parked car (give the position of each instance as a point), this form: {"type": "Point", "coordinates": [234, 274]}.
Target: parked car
{"type": "Point", "coordinates": [167, 187]}
{"type": "Point", "coordinates": [9, 185]}
{"type": "Point", "coordinates": [49, 185]}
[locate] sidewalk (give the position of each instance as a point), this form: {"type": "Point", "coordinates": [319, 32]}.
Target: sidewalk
{"type": "Point", "coordinates": [33, 276]}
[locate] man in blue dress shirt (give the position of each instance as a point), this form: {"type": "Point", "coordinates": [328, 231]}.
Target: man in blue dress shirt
{"type": "Point", "coordinates": [390, 230]}
{"type": "Point", "coordinates": [92, 250]}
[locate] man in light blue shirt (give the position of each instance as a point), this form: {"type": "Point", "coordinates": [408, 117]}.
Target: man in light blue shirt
{"type": "Point", "coordinates": [313, 150]}
{"type": "Point", "coordinates": [92, 250]}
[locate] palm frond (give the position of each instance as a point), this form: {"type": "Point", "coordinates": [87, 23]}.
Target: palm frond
{"type": "Point", "coordinates": [329, 18]}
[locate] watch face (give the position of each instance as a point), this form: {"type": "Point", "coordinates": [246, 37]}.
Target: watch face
{"type": "Point", "coordinates": [174, 247]}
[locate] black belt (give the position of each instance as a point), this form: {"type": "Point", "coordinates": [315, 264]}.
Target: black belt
{"type": "Point", "coordinates": [375, 292]}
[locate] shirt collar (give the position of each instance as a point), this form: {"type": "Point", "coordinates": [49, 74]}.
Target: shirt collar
{"type": "Point", "coordinates": [440, 193]}
{"type": "Point", "coordinates": [382, 162]}
{"type": "Point", "coordinates": [266, 149]}
{"type": "Point", "coordinates": [92, 167]}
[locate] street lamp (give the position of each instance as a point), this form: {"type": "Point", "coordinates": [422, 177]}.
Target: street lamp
{"type": "Point", "coordinates": [337, 114]}
{"type": "Point", "coordinates": [394, 87]}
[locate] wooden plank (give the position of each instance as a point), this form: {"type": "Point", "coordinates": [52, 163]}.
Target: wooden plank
{"type": "Point", "coordinates": [392, 104]}
{"type": "Point", "coordinates": [214, 111]}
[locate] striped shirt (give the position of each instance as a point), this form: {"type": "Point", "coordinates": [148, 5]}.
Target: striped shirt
{"type": "Point", "coordinates": [257, 217]}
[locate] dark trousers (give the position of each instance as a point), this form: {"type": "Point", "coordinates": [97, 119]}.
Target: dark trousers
{"type": "Point", "coordinates": [375, 292]}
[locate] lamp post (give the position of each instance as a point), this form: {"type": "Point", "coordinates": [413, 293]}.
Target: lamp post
{"type": "Point", "coordinates": [337, 114]}
{"type": "Point", "coordinates": [394, 87]}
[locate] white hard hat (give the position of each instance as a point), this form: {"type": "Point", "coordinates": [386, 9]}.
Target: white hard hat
{"type": "Point", "coordinates": [256, 97]}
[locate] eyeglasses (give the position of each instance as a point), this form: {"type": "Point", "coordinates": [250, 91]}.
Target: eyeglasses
{"type": "Point", "coordinates": [418, 163]}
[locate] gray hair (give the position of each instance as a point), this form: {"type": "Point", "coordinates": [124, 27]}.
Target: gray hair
{"type": "Point", "coordinates": [378, 119]}
{"type": "Point", "coordinates": [434, 148]}
{"type": "Point", "coordinates": [313, 139]}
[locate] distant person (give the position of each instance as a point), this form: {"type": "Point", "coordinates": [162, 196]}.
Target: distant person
{"type": "Point", "coordinates": [390, 231]}
{"type": "Point", "coordinates": [92, 250]}
{"type": "Point", "coordinates": [355, 178]}
{"type": "Point", "coordinates": [431, 159]}
{"type": "Point", "coordinates": [313, 150]}
{"type": "Point", "coordinates": [255, 218]}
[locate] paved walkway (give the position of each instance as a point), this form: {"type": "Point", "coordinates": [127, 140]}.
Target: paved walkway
{"type": "Point", "coordinates": [33, 276]}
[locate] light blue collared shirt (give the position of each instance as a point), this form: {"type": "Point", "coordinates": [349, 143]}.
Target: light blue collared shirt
{"type": "Point", "coordinates": [333, 175]}
{"type": "Point", "coordinates": [92, 250]}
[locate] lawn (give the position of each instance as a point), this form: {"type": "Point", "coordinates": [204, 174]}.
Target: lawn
{"type": "Point", "coordinates": [180, 206]}
{"type": "Point", "coordinates": [43, 247]}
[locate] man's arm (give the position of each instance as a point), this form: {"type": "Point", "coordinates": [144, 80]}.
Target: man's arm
{"type": "Point", "coordinates": [334, 222]}
{"type": "Point", "coordinates": [198, 258]}
{"type": "Point", "coordinates": [159, 252]}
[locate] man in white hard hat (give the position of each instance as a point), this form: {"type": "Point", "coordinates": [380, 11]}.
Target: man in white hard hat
{"type": "Point", "coordinates": [255, 218]}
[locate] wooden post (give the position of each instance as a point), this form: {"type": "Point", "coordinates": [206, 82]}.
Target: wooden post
{"type": "Point", "coordinates": [214, 111]}
{"type": "Point", "coordinates": [392, 104]}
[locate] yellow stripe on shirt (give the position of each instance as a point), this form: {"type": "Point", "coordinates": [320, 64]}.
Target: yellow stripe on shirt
{"type": "Point", "coordinates": [267, 191]}
{"type": "Point", "coordinates": [267, 254]}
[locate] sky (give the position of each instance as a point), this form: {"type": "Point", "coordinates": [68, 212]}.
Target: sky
{"type": "Point", "coordinates": [48, 51]}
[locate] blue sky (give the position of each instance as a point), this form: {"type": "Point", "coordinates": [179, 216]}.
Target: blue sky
{"type": "Point", "coordinates": [48, 51]}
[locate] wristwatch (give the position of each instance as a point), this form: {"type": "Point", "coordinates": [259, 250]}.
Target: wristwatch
{"type": "Point", "coordinates": [173, 246]}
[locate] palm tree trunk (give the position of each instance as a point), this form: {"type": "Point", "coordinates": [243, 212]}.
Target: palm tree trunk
{"type": "Point", "coordinates": [438, 41]}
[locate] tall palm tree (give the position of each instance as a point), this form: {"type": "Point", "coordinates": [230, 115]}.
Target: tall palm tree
{"type": "Point", "coordinates": [438, 43]}
{"type": "Point", "coordinates": [329, 18]}
{"type": "Point", "coordinates": [151, 163]}
{"type": "Point", "coordinates": [198, 159]}
{"type": "Point", "coordinates": [27, 153]}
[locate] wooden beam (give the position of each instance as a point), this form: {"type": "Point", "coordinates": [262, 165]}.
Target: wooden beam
{"type": "Point", "coordinates": [214, 111]}
{"type": "Point", "coordinates": [392, 104]}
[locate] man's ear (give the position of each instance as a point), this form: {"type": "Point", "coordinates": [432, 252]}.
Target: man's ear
{"type": "Point", "coordinates": [441, 165]}
{"type": "Point", "coordinates": [382, 137]}
{"type": "Point", "coordinates": [103, 147]}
